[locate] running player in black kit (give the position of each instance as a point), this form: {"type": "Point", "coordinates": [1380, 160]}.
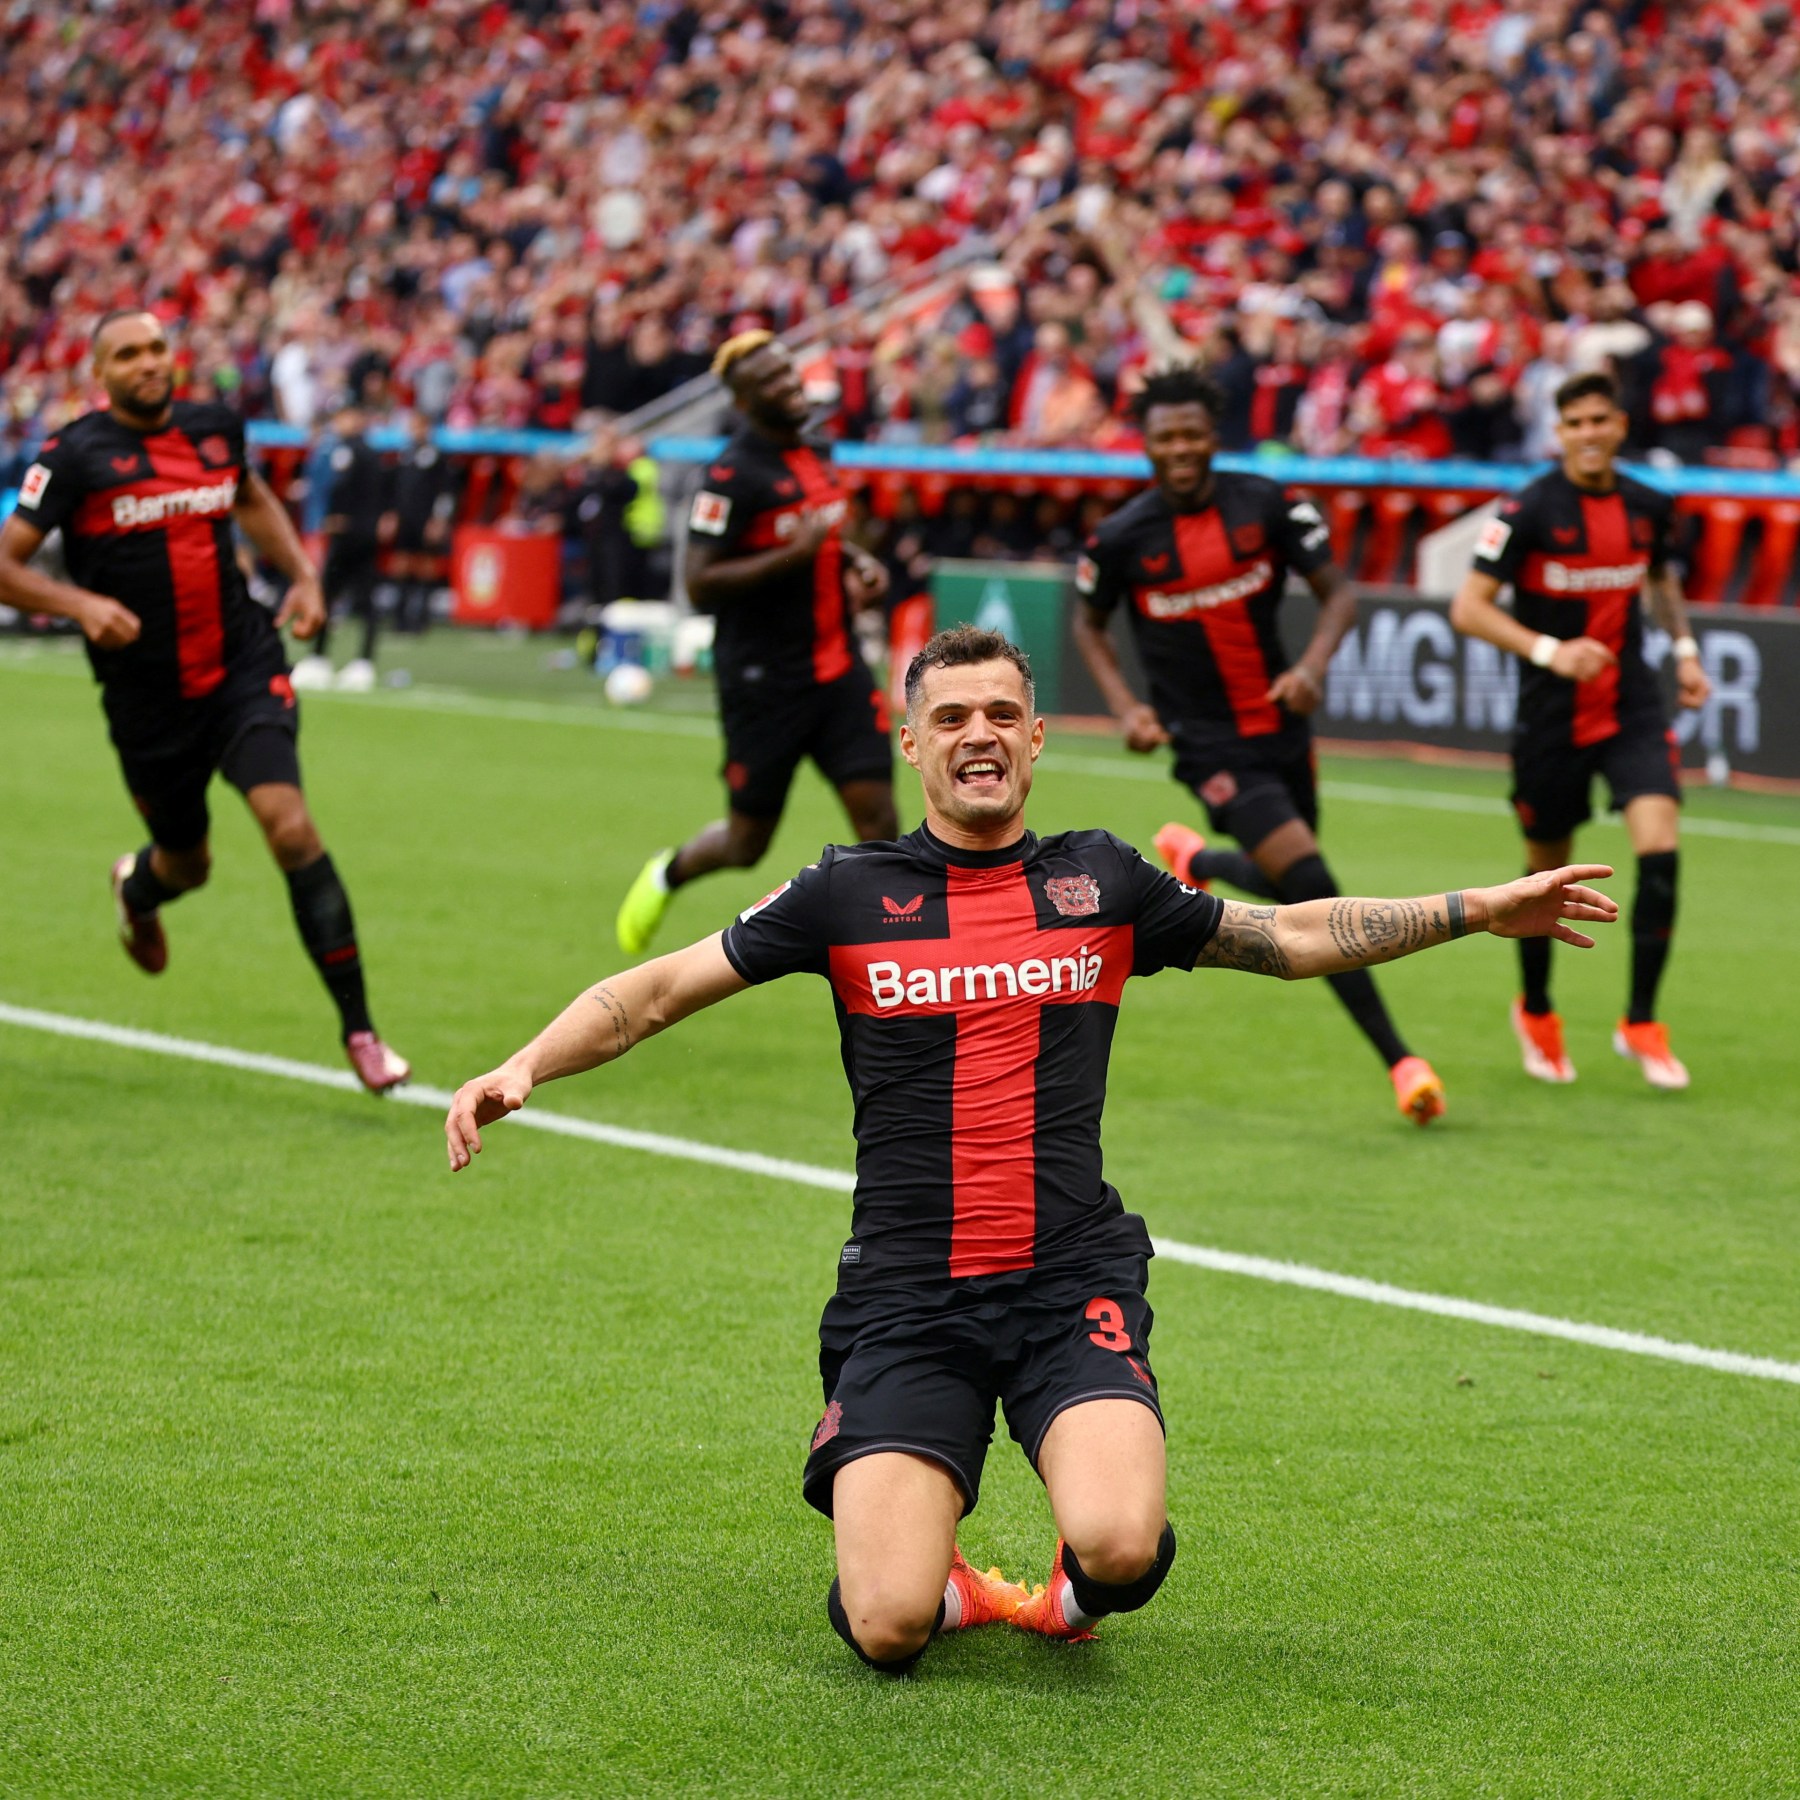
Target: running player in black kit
{"type": "Point", "coordinates": [977, 972]}
{"type": "Point", "coordinates": [767, 555]}
{"type": "Point", "coordinates": [191, 669]}
{"type": "Point", "coordinates": [1577, 546]}
{"type": "Point", "coordinates": [1201, 561]}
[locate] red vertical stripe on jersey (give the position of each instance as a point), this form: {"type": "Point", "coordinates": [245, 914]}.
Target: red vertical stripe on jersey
{"type": "Point", "coordinates": [1205, 554]}
{"type": "Point", "coordinates": [193, 570]}
{"type": "Point", "coordinates": [1608, 613]}
{"type": "Point", "coordinates": [993, 1106]}
{"type": "Point", "coordinates": [831, 642]}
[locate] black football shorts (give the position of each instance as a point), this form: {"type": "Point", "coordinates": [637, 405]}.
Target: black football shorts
{"type": "Point", "coordinates": [1251, 786]}
{"type": "Point", "coordinates": [843, 726]}
{"type": "Point", "coordinates": [1553, 781]}
{"type": "Point", "coordinates": [247, 729]}
{"type": "Point", "coordinates": [919, 1367]}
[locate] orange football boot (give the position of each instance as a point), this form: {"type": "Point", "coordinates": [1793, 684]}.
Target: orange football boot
{"type": "Point", "coordinates": [1541, 1041]}
{"type": "Point", "coordinates": [987, 1599]}
{"type": "Point", "coordinates": [1178, 845]}
{"type": "Point", "coordinates": [1042, 1612]}
{"type": "Point", "coordinates": [1417, 1089]}
{"type": "Point", "coordinates": [1649, 1044]}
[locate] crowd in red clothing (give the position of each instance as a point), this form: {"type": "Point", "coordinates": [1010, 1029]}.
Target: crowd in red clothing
{"type": "Point", "coordinates": [1390, 227]}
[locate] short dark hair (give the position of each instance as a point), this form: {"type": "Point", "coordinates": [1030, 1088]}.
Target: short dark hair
{"type": "Point", "coordinates": [112, 318]}
{"type": "Point", "coordinates": [1183, 384]}
{"type": "Point", "coordinates": [1590, 384]}
{"type": "Point", "coordinates": [963, 644]}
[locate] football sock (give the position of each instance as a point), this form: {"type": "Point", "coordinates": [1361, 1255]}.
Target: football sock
{"type": "Point", "coordinates": [840, 1623]}
{"type": "Point", "coordinates": [950, 1613]}
{"type": "Point", "coordinates": [1233, 867]}
{"type": "Point", "coordinates": [1534, 967]}
{"type": "Point", "coordinates": [322, 911]}
{"type": "Point", "coordinates": [1087, 1599]}
{"type": "Point", "coordinates": [1309, 879]}
{"type": "Point", "coordinates": [1652, 923]}
{"type": "Point", "coordinates": [144, 893]}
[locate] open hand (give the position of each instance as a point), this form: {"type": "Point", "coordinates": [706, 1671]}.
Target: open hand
{"type": "Point", "coordinates": [480, 1102]}
{"type": "Point", "coordinates": [1538, 905]}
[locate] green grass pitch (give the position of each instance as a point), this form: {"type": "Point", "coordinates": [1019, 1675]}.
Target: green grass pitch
{"type": "Point", "coordinates": [322, 1472]}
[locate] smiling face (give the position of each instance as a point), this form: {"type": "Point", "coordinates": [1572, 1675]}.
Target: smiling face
{"type": "Point", "coordinates": [766, 385]}
{"type": "Point", "coordinates": [1590, 431]}
{"type": "Point", "coordinates": [1180, 441]}
{"type": "Point", "coordinates": [134, 365]}
{"type": "Point", "coordinates": [972, 735]}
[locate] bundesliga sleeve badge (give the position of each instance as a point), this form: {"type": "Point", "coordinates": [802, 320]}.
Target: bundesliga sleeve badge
{"type": "Point", "coordinates": [31, 489]}
{"type": "Point", "coordinates": [1087, 575]}
{"type": "Point", "coordinates": [710, 513]}
{"type": "Point", "coordinates": [1496, 534]}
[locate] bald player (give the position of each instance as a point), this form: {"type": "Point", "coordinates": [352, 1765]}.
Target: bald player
{"type": "Point", "coordinates": [146, 493]}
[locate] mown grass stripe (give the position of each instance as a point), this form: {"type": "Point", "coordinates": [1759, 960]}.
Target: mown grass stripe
{"type": "Point", "coordinates": [837, 1181]}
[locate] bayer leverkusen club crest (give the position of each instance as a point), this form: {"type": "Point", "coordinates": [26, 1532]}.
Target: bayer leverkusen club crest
{"type": "Point", "coordinates": [215, 451]}
{"type": "Point", "coordinates": [1074, 896]}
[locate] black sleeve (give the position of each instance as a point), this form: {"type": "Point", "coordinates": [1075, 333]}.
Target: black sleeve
{"type": "Point", "coordinates": [233, 429]}
{"type": "Point", "coordinates": [1299, 528]}
{"type": "Point", "coordinates": [1662, 516]}
{"type": "Point", "coordinates": [725, 507]}
{"type": "Point", "coordinates": [1171, 924]}
{"type": "Point", "coordinates": [1097, 574]}
{"type": "Point", "coordinates": [784, 933]}
{"type": "Point", "coordinates": [1502, 547]}
{"type": "Point", "coordinates": [50, 490]}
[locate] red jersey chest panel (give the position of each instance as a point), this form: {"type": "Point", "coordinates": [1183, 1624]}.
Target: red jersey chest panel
{"type": "Point", "coordinates": [1221, 566]}
{"type": "Point", "coordinates": [796, 483]}
{"type": "Point", "coordinates": [993, 948]}
{"type": "Point", "coordinates": [1580, 577]}
{"type": "Point", "coordinates": [175, 492]}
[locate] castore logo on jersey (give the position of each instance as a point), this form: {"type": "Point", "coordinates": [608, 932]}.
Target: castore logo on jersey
{"type": "Point", "coordinates": [909, 914]}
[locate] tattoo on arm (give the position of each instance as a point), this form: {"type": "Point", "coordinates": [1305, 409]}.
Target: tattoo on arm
{"type": "Point", "coordinates": [1367, 931]}
{"type": "Point", "coordinates": [1245, 940]}
{"type": "Point", "coordinates": [621, 1020]}
{"type": "Point", "coordinates": [1666, 606]}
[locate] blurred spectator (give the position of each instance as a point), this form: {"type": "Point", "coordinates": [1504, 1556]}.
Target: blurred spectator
{"type": "Point", "coordinates": [502, 214]}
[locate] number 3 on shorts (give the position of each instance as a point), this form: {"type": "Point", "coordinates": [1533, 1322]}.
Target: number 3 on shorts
{"type": "Point", "coordinates": [1108, 1320]}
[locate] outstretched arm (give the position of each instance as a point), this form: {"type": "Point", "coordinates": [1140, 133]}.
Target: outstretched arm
{"type": "Point", "coordinates": [597, 1028]}
{"type": "Point", "coordinates": [1326, 937]}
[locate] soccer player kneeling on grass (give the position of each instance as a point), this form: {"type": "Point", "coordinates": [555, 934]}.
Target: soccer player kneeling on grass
{"type": "Point", "coordinates": [977, 971]}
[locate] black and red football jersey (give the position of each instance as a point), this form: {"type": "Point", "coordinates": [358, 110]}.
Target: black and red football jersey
{"type": "Point", "coordinates": [976, 995]}
{"type": "Point", "coordinates": [795, 629]}
{"type": "Point", "coordinates": [1203, 589]}
{"type": "Point", "coordinates": [146, 520]}
{"type": "Point", "coordinates": [1577, 561]}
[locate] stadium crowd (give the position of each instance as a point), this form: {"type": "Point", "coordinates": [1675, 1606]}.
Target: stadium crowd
{"type": "Point", "coordinates": [1391, 228]}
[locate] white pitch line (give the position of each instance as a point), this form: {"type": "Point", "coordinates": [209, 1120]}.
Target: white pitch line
{"type": "Point", "coordinates": [837, 1181]}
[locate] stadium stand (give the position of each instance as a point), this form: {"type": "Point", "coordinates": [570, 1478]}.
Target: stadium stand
{"type": "Point", "coordinates": [1390, 229]}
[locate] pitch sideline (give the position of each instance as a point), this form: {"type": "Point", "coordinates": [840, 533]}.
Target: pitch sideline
{"type": "Point", "coordinates": [749, 1162]}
